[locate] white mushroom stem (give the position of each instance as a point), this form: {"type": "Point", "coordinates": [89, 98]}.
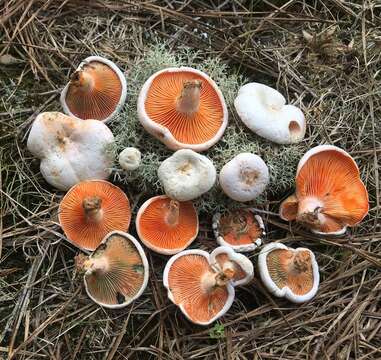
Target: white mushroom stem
{"type": "Point", "coordinates": [212, 280]}
{"type": "Point", "coordinates": [309, 211]}
{"type": "Point", "coordinates": [189, 100]}
{"type": "Point", "coordinates": [99, 264]}
{"type": "Point", "coordinates": [82, 79]}
{"type": "Point", "coordinates": [172, 217]}
{"type": "Point", "coordinates": [92, 206]}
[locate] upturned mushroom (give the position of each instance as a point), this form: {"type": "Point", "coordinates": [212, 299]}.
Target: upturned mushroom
{"type": "Point", "coordinates": [264, 111]}
{"type": "Point", "coordinates": [129, 159]}
{"type": "Point", "coordinates": [186, 175]}
{"type": "Point", "coordinates": [116, 273]}
{"type": "Point", "coordinates": [183, 108]}
{"type": "Point", "coordinates": [329, 192]}
{"type": "Point", "coordinates": [70, 150]}
{"type": "Point", "coordinates": [167, 226]}
{"type": "Point", "coordinates": [240, 229]}
{"type": "Point", "coordinates": [244, 177]}
{"type": "Point", "coordinates": [92, 209]}
{"type": "Point", "coordinates": [97, 90]}
{"type": "Point", "coordinates": [202, 285]}
{"type": "Point", "coordinates": [289, 273]}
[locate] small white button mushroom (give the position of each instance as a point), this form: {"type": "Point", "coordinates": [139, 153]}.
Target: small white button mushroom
{"type": "Point", "coordinates": [244, 177]}
{"type": "Point", "coordinates": [186, 175]}
{"type": "Point", "coordinates": [264, 111]}
{"type": "Point", "coordinates": [129, 158]}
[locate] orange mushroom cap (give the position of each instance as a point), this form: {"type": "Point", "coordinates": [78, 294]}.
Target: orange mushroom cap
{"type": "Point", "coordinates": [165, 225]}
{"type": "Point", "coordinates": [117, 271]}
{"type": "Point", "coordinates": [97, 90]}
{"type": "Point", "coordinates": [329, 192]}
{"type": "Point", "coordinates": [183, 108]}
{"type": "Point", "coordinates": [90, 210]}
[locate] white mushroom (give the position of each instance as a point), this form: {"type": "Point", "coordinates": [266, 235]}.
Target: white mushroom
{"type": "Point", "coordinates": [244, 177]}
{"type": "Point", "coordinates": [264, 111]}
{"type": "Point", "coordinates": [129, 158]}
{"type": "Point", "coordinates": [186, 175]}
{"type": "Point", "coordinates": [70, 149]}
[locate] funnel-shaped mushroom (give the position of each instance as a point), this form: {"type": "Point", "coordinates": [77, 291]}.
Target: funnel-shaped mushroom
{"type": "Point", "coordinates": [70, 150]}
{"type": "Point", "coordinates": [289, 273]}
{"type": "Point", "coordinates": [186, 175]}
{"type": "Point", "coordinates": [329, 192]}
{"type": "Point", "coordinates": [264, 111]}
{"type": "Point", "coordinates": [202, 285]}
{"type": "Point", "coordinates": [90, 210]}
{"type": "Point", "coordinates": [183, 108]}
{"type": "Point", "coordinates": [241, 230]}
{"type": "Point", "coordinates": [167, 226]}
{"type": "Point", "coordinates": [244, 177]}
{"type": "Point", "coordinates": [117, 271]}
{"type": "Point", "coordinates": [97, 90]}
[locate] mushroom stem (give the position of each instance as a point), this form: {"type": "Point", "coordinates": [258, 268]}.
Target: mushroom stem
{"type": "Point", "coordinates": [189, 100]}
{"type": "Point", "coordinates": [92, 206]}
{"type": "Point", "coordinates": [309, 211]}
{"type": "Point", "coordinates": [299, 262]}
{"type": "Point", "coordinates": [212, 280]}
{"type": "Point", "coordinates": [172, 217]}
{"type": "Point", "coordinates": [82, 79]}
{"type": "Point", "coordinates": [98, 264]}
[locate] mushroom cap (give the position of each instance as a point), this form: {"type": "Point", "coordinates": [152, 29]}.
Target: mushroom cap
{"type": "Point", "coordinates": [329, 187]}
{"type": "Point", "coordinates": [264, 111]}
{"type": "Point", "coordinates": [159, 235]}
{"type": "Point", "coordinates": [282, 280]}
{"type": "Point", "coordinates": [183, 276]}
{"type": "Point", "coordinates": [103, 98]}
{"type": "Point", "coordinates": [124, 275]}
{"type": "Point", "coordinates": [129, 158]}
{"type": "Point", "coordinates": [84, 232]}
{"type": "Point", "coordinates": [70, 150]}
{"type": "Point", "coordinates": [244, 177]}
{"type": "Point", "coordinates": [159, 116]}
{"type": "Point", "coordinates": [186, 175]}
{"type": "Point", "coordinates": [240, 229]}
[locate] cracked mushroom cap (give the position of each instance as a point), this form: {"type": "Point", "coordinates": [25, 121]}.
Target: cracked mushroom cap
{"type": "Point", "coordinates": [289, 273]}
{"type": "Point", "coordinates": [90, 210]}
{"type": "Point", "coordinates": [186, 175]}
{"type": "Point", "coordinates": [244, 177]}
{"type": "Point", "coordinates": [240, 229]}
{"type": "Point", "coordinates": [264, 111]}
{"type": "Point", "coordinates": [183, 108]}
{"type": "Point", "coordinates": [329, 192]}
{"type": "Point", "coordinates": [167, 226]}
{"type": "Point", "coordinates": [116, 273]}
{"type": "Point", "coordinates": [97, 90]}
{"type": "Point", "coordinates": [70, 150]}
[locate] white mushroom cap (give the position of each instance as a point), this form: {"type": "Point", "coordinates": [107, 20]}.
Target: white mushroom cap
{"type": "Point", "coordinates": [264, 111]}
{"type": "Point", "coordinates": [71, 150]}
{"type": "Point", "coordinates": [244, 177]}
{"type": "Point", "coordinates": [129, 158]}
{"type": "Point", "coordinates": [186, 175]}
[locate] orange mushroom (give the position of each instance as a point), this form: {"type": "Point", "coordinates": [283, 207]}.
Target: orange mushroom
{"type": "Point", "coordinates": [116, 273]}
{"type": "Point", "coordinates": [90, 210]}
{"type": "Point", "coordinates": [183, 108]}
{"type": "Point", "coordinates": [329, 192]}
{"type": "Point", "coordinates": [167, 226]}
{"type": "Point", "coordinates": [97, 90]}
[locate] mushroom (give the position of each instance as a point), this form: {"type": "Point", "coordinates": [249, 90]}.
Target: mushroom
{"type": "Point", "coordinates": [167, 226]}
{"type": "Point", "coordinates": [329, 192]}
{"type": "Point", "coordinates": [183, 108]}
{"type": "Point", "coordinates": [97, 90]}
{"type": "Point", "coordinates": [129, 158]}
{"type": "Point", "coordinates": [202, 285]}
{"type": "Point", "coordinates": [116, 273]}
{"type": "Point", "coordinates": [90, 210]}
{"type": "Point", "coordinates": [70, 150]}
{"type": "Point", "coordinates": [244, 177]}
{"type": "Point", "coordinates": [264, 111]}
{"type": "Point", "coordinates": [289, 273]}
{"type": "Point", "coordinates": [240, 229]}
{"type": "Point", "coordinates": [186, 175]}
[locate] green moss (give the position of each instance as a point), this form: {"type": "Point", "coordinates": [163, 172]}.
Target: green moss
{"type": "Point", "coordinates": [281, 160]}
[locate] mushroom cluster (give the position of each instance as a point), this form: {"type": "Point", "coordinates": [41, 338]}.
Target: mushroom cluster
{"type": "Point", "coordinates": [185, 110]}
